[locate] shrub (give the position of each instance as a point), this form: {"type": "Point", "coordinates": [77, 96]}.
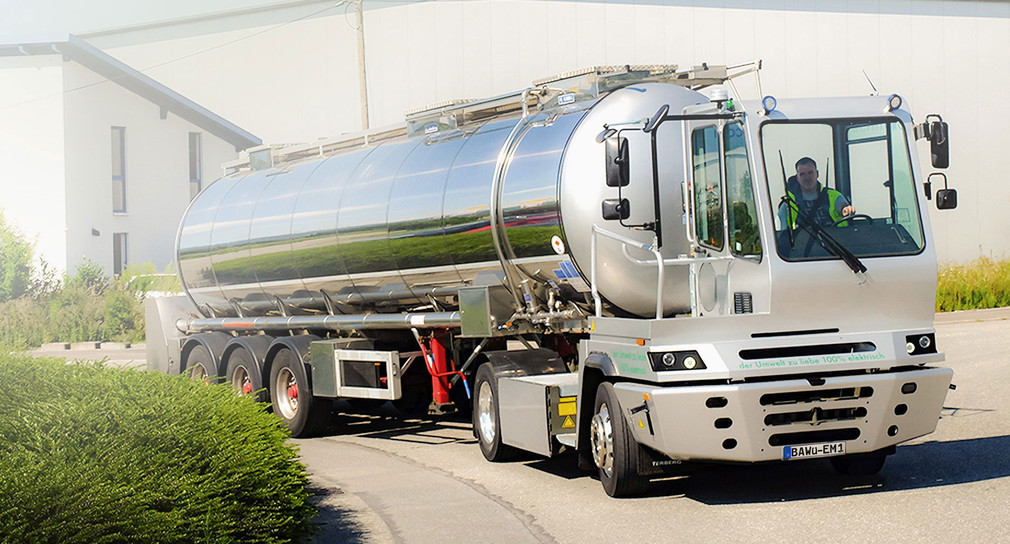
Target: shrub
{"type": "Point", "coordinates": [89, 454]}
{"type": "Point", "coordinates": [983, 283]}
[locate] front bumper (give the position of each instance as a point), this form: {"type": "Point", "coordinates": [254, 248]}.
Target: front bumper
{"type": "Point", "coordinates": [752, 422]}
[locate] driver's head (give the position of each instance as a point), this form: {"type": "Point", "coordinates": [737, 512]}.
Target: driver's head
{"type": "Point", "coordinates": [806, 174]}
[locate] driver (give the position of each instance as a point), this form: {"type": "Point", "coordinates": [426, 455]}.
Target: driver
{"type": "Point", "coordinates": [821, 205]}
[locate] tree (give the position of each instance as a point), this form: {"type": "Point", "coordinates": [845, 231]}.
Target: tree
{"type": "Point", "coordinates": [15, 261]}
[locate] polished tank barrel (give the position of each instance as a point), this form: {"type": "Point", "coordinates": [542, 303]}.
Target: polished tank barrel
{"type": "Point", "coordinates": [405, 221]}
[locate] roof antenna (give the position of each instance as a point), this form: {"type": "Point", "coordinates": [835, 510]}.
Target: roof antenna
{"type": "Point", "coordinates": [872, 86]}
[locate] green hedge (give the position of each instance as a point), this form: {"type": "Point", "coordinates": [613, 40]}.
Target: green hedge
{"type": "Point", "coordinates": [92, 454]}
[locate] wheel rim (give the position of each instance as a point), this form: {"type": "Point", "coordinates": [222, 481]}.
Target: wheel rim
{"type": "Point", "coordinates": [241, 381]}
{"type": "Point", "coordinates": [485, 412]}
{"type": "Point", "coordinates": [287, 393]}
{"type": "Point", "coordinates": [199, 372]}
{"type": "Point", "coordinates": [602, 433]}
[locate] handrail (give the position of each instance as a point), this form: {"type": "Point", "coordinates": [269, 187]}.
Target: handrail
{"type": "Point", "coordinates": [660, 264]}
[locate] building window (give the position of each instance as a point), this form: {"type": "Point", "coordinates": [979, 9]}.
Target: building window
{"type": "Point", "coordinates": [119, 169]}
{"type": "Point", "coordinates": [119, 257]}
{"type": "Point", "coordinates": [195, 164]}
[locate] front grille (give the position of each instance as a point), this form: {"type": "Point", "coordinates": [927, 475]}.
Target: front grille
{"type": "Point", "coordinates": [812, 437]}
{"type": "Point", "coordinates": [815, 416]}
{"type": "Point", "coordinates": [807, 351]}
{"type": "Point", "coordinates": [817, 395]}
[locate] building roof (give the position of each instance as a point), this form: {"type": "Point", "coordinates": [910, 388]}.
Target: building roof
{"type": "Point", "coordinates": [105, 65]}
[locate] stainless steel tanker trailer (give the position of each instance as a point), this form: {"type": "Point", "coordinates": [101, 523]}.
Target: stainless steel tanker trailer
{"type": "Point", "coordinates": [609, 261]}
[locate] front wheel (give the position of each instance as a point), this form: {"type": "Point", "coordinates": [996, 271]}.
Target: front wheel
{"type": "Point", "coordinates": [291, 396]}
{"type": "Point", "coordinates": [615, 451]}
{"type": "Point", "coordinates": [486, 421]}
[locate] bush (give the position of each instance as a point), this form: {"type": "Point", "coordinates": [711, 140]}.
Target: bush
{"type": "Point", "coordinates": [89, 454]}
{"type": "Point", "coordinates": [983, 283]}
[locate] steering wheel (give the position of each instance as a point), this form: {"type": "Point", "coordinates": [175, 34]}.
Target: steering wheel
{"type": "Point", "coordinates": [853, 217]}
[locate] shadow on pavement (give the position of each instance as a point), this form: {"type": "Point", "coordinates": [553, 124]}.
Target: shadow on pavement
{"type": "Point", "coordinates": [332, 523]}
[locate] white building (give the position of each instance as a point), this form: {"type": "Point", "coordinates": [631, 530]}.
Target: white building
{"type": "Point", "coordinates": [288, 71]}
{"type": "Point", "coordinates": [101, 160]}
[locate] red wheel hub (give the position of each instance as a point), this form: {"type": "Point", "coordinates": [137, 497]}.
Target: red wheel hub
{"type": "Point", "coordinates": [247, 388]}
{"type": "Point", "coordinates": [293, 391]}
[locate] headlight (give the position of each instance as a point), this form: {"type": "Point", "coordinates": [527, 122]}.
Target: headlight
{"type": "Point", "coordinates": [676, 360]}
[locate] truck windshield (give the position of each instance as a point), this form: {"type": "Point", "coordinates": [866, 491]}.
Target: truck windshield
{"type": "Point", "coordinates": [851, 178]}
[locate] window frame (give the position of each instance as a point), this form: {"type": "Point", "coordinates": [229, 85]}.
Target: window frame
{"type": "Point", "coordinates": [694, 187]}
{"type": "Point", "coordinates": [838, 142]}
{"type": "Point", "coordinates": [118, 179]}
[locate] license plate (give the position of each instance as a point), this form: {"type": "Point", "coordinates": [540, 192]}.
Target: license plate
{"type": "Point", "coordinates": [808, 451]}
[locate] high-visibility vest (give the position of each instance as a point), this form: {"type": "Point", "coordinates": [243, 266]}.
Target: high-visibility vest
{"type": "Point", "coordinates": [830, 195]}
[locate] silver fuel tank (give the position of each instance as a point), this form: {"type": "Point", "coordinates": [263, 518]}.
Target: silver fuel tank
{"type": "Point", "coordinates": [390, 224]}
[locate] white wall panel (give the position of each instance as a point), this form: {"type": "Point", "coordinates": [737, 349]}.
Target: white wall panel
{"type": "Point", "coordinates": [299, 82]}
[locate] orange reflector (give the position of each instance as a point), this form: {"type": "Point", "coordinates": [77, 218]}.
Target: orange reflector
{"type": "Point", "coordinates": [645, 397]}
{"type": "Point", "coordinates": [640, 341]}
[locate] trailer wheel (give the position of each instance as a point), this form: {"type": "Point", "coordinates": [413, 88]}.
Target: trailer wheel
{"type": "Point", "coordinates": [291, 396]}
{"type": "Point", "coordinates": [859, 464]}
{"type": "Point", "coordinates": [200, 365]}
{"type": "Point", "coordinates": [245, 375]}
{"type": "Point", "coordinates": [486, 421]}
{"type": "Point", "coordinates": [615, 451]}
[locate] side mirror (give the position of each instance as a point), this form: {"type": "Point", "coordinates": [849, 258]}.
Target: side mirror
{"type": "Point", "coordinates": [939, 152]}
{"type": "Point", "coordinates": [617, 162]}
{"type": "Point", "coordinates": [946, 199]}
{"type": "Point", "coordinates": [614, 209]}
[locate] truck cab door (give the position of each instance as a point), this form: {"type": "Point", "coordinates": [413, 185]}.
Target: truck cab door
{"type": "Point", "coordinates": [722, 218]}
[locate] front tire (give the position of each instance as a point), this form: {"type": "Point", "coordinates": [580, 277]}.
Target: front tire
{"type": "Point", "coordinates": [486, 421]}
{"type": "Point", "coordinates": [615, 451]}
{"type": "Point", "coordinates": [291, 396]}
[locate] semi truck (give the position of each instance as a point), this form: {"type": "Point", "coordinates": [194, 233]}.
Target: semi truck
{"type": "Point", "coordinates": [616, 261]}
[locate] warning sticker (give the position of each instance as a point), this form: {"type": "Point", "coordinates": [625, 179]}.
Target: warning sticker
{"type": "Point", "coordinates": [568, 423]}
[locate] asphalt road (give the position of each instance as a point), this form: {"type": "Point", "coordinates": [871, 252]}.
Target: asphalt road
{"type": "Point", "coordinates": [386, 479]}
{"type": "Point", "coordinates": [382, 478]}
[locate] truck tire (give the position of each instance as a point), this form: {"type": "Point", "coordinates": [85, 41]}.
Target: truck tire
{"type": "Point", "coordinates": [245, 375]}
{"type": "Point", "coordinates": [486, 420]}
{"type": "Point", "coordinates": [200, 365]}
{"type": "Point", "coordinates": [859, 464]}
{"type": "Point", "coordinates": [615, 451]}
{"type": "Point", "coordinates": [291, 396]}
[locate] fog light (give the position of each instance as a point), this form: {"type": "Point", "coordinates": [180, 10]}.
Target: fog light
{"type": "Point", "coordinates": [924, 341]}
{"type": "Point", "coordinates": [689, 362]}
{"type": "Point", "coordinates": [910, 347]}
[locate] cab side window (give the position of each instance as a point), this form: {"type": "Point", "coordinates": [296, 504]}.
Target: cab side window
{"type": "Point", "coordinates": [708, 225]}
{"type": "Point", "coordinates": [742, 213]}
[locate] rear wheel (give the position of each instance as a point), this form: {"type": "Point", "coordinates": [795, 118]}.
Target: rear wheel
{"type": "Point", "coordinates": [615, 451]}
{"type": "Point", "coordinates": [486, 421]}
{"type": "Point", "coordinates": [200, 365]}
{"type": "Point", "coordinates": [245, 375]}
{"type": "Point", "coordinates": [291, 396]}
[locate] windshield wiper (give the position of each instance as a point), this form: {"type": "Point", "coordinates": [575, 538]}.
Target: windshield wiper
{"type": "Point", "coordinates": [826, 241]}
